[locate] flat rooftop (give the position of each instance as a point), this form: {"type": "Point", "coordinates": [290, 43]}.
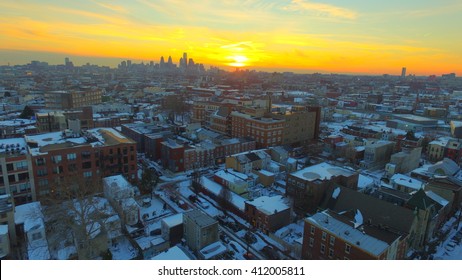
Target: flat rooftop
{"type": "Point", "coordinates": [43, 143]}
{"type": "Point", "coordinates": [322, 171]}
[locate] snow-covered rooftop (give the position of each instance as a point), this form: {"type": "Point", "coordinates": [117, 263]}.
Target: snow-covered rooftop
{"type": "Point", "coordinates": [406, 181]}
{"type": "Point", "coordinates": [231, 176]}
{"type": "Point", "coordinates": [364, 181]}
{"type": "Point", "coordinates": [348, 233]}
{"type": "Point", "coordinates": [173, 220]}
{"type": "Point", "coordinates": [322, 171]}
{"type": "Point", "coordinates": [42, 143]}
{"type": "Point", "coordinates": [213, 250]}
{"type": "Point", "coordinates": [290, 233]}
{"type": "Point", "coordinates": [174, 253]}
{"type": "Point", "coordinates": [119, 180]}
{"type": "Point", "coordinates": [266, 173]}
{"type": "Point", "coordinates": [215, 188]}
{"type": "Point", "coordinates": [438, 199]}
{"type": "Point", "coordinates": [12, 147]}
{"type": "Point", "coordinates": [27, 211]}
{"type": "Point", "coordinates": [17, 122]}
{"type": "Point", "coordinates": [269, 205]}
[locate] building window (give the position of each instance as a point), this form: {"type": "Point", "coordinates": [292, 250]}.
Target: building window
{"type": "Point", "coordinates": [347, 248]}
{"type": "Point", "coordinates": [311, 241]}
{"type": "Point", "coordinates": [72, 167]}
{"type": "Point", "coordinates": [72, 156]}
{"type": "Point", "coordinates": [13, 189]}
{"type": "Point", "coordinates": [87, 174]}
{"type": "Point", "coordinates": [332, 241]}
{"type": "Point", "coordinates": [24, 187]}
{"type": "Point", "coordinates": [11, 178]}
{"type": "Point", "coordinates": [9, 167]}
{"type": "Point", "coordinates": [324, 236]}
{"type": "Point", "coordinates": [23, 176]}
{"type": "Point", "coordinates": [43, 183]}
{"type": "Point", "coordinates": [58, 170]}
{"type": "Point", "coordinates": [86, 154]}
{"type": "Point", "coordinates": [312, 230]}
{"type": "Point", "coordinates": [331, 253]}
{"type": "Point", "coordinates": [56, 159]}
{"type": "Point", "coordinates": [323, 249]}
{"type": "Point", "coordinates": [40, 161]}
{"type": "Point", "coordinates": [21, 165]}
{"type": "Point", "coordinates": [42, 172]}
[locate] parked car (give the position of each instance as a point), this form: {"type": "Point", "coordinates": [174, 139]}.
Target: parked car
{"type": "Point", "coordinates": [270, 252]}
{"type": "Point", "coordinates": [450, 246]}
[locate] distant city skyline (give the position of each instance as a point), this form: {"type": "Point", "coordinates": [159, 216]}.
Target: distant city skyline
{"type": "Point", "coordinates": [293, 35]}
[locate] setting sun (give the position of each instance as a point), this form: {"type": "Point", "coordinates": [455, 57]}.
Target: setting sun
{"type": "Point", "coordinates": [291, 35]}
{"type": "Point", "coordinates": [238, 61]}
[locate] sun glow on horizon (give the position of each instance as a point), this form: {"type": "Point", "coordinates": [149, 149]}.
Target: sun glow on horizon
{"type": "Point", "coordinates": [238, 60]}
{"type": "Point", "coordinates": [301, 35]}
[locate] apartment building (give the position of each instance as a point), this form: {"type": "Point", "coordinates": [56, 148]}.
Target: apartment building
{"type": "Point", "coordinates": [200, 229]}
{"type": "Point", "coordinates": [16, 176]}
{"type": "Point", "coordinates": [98, 152]}
{"type": "Point", "coordinates": [377, 154]}
{"type": "Point", "coordinates": [308, 186]}
{"type": "Point", "coordinates": [266, 131]}
{"type": "Point", "coordinates": [72, 99]}
{"type": "Point", "coordinates": [330, 235]}
{"type": "Point", "coordinates": [268, 213]}
{"type": "Point", "coordinates": [59, 120]}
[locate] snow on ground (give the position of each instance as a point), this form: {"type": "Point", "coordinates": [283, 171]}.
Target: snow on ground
{"type": "Point", "coordinates": [152, 208]}
{"type": "Point", "coordinates": [174, 178]}
{"type": "Point", "coordinates": [122, 249]}
{"type": "Point", "coordinates": [451, 248]}
{"type": "Point", "coordinates": [238, 250]}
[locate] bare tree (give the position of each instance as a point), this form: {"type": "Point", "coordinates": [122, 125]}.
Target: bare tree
{"type": "Point", "coordinates": [77, 214]}
{"type": "Point", "coordinates": [149, 180]}
{"type": "Point", "coordinates": [224, 198]}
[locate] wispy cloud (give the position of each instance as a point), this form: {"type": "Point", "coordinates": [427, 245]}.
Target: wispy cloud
{"type": "Point", "coordinates": [112, 7]}
{"type": "Point", "coordinates": [321, 9]}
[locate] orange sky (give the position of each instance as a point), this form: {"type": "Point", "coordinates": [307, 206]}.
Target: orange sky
{"type": "Point", "coordinates": [289, 35]}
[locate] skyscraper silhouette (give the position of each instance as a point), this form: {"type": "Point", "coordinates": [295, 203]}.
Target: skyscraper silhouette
{"type": "Point", "coordinates": [185, 60]}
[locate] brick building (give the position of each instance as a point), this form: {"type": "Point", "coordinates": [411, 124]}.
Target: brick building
{"type": "Point", "coordinates": [266, 131]}
{"type": "Point", "coordinates": [309, 185]}
{"type": "Point", "coordinates": [329, 235]}
{"type": "Point", "coordinates": [139, 133]}
{"type": "Point", "coordinates": [268, 213]}
{"type": "Point", "coordinates": [98, 152]}
{"type": "Point", "coordinates": [16, 176]}
{"type": "Point", "coordinates": [179, 156]}
{"type": "Point", "coordinates": [59, 120]}
{"type": "Point", "coordinates": [173, 155]}
{"type": "Point", "coordinates": [72, 99]}
{"type": "Point", "coordinates": [301, 124]}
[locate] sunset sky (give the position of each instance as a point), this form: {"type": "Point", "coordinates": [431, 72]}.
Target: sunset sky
{"type": "Point", "coordinates": [344, 36]}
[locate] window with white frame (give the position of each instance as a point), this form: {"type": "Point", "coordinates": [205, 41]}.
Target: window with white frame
{"type": "Point", "coordinates": [347, 248]}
